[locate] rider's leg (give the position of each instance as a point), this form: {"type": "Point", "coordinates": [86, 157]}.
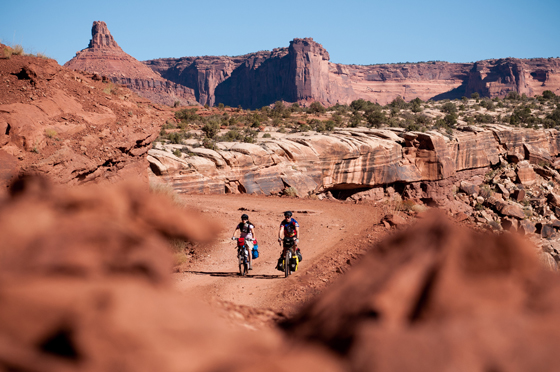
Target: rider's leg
{"type": "Point", "coordinates": [250, 249]}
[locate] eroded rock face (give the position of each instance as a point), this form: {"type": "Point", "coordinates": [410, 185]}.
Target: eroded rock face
{"type": "Point", "coordinates": [399, 308]}
{"type": "Point", "coordinates": [70, 125]}
{"type": "Point", "coordinates": [104, 57]}
{"type": "Point", "coordinates": [350, 159]}
{"type": "Point", "coordinates": [303, 73]}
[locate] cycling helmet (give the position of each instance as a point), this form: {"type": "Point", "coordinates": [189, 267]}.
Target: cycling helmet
{"type": "Point", "coordinates": [244, 217]}
{"type": "Point", "coordinates": [287, 214]}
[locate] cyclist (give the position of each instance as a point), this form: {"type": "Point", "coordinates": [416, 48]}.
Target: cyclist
{"type": "Point", "coordinates": [247, 231]}
{"type": "Point", "coordinates": [289, 228]}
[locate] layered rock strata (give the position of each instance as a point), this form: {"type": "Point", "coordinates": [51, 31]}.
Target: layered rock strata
{"type": "Point", "coordinates": [303, 73]}
{"type": "Point", "coordinates": [104, 57]}
{"type": "Point", "coordinates": [351, 159]}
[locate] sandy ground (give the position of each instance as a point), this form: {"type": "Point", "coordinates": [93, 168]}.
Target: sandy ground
{"type": "Point", "coordinates": [331, 234]}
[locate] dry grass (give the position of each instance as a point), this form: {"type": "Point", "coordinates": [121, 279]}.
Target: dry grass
{"type": "Point", "coordinates": [51, 133]}
{"type": "Point", "coordinates": [17, 50]}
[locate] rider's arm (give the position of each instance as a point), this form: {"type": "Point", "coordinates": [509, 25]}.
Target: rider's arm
{"type": "Point", "coordinates": [280, 232]}
{"type": "Point", "coordinates": [234, 231]}
{"type": "Point", "coordinates": [297, 232]}
{"type": "Point", "coordinates": [253, 233]}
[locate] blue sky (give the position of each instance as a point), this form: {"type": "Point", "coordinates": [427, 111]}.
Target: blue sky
{"type": "Point", "coordinates": [353, 32]}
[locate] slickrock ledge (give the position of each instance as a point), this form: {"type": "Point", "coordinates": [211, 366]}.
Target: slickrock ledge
{"type": "Point", "coordinates": [353, 160]}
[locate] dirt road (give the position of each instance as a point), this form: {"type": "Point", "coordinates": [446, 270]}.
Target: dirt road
{"type": "Point", "coordinates": [329, 230]}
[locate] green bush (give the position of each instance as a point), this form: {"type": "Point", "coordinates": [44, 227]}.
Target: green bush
{"type": "Point", "coordinates": [329, 125]}
{"type": "Point", "coordinates": [211, 129]}
{"type": "Point", "coordinates": [475, 95]}
{"type": "Point", "coordinates": [449, 108]}
{"type": "Point", "coordinates": [317, 108]}
{"type": "Point", "coordinates": [177, 153]}
{"type": "Point", "coordinates": [376, 118]}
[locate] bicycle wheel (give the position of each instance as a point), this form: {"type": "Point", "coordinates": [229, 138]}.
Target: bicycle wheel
{"type": "Point", "coordinates": [287, 271]}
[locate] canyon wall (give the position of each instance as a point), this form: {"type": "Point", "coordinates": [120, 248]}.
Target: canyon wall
{"type": "Point", "coordinates": [302, 73]}
{"type": "Point", "coordinates": [104, 57]}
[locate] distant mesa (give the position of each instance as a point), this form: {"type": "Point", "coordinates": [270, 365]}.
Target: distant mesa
{"type": "Point", "coordinates": [104, 57]}
{"type": "Point", "coordinates": [302, 72]}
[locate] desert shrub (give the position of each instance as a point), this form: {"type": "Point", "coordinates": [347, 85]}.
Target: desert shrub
{"type": "Point", "coordinates": [17, 50]}
{"type": "Point", "coordinates": [295, 107]}
{"type": "Point", "coordinates": [177, 153]}
{"type": "Point", "coordinates": [209, 143]}
{"type": "Point", "coordinates": [109, 89]}
{"type": "Point", "coordinates": [355, 120]}
{"type": "Point", "coordinates": [51, 133]}
{"type": "Point", "coordinates": [266, 135]}
{"type": "Point", "coordinates": [339, 109]}
{"type": "Point", "coordinates": [278, 109]}
{"type": "Point", "coordinates": [363, 105]}
{"type": "Point", "coordinates": [548, 95]}
{"type": "Point", "coordinates": [187, 115]}
{"type": "Point", "coordinates": [398, 103]}
{"type": "Point", "coordinates": [520, 115]}
{"type": "Point", "coordinates": [423, 120]}
{"type": "Point", "coordinates": [475, 95]}
{"type": "Point", "coordinates": [337, 119]}
{"type": "Point", "coordinates": [554, 116]}
{"type": "Point", "coordinates": [290, 191]}
{"type": "Point", "coordinates": [484, 118]}
{"type": "Point", "coordinates": [175, 138]}
{"type": "Point", "coordinates": [513, 96]}
{"type": "Point", "coordinates": [231, 136]}
{"type": "Point", "coordinates": [449, 108]}
{"type": "Point", "coordinates": [376, 118]}
{"type": "Point", "coordinates": [316, 107]}
{"type": "Point", "coordinates": [329, 125]}
{"type": "Point", "coordinates": [211, 129]}
{"type": "Point", "coordinates": [450, 120]}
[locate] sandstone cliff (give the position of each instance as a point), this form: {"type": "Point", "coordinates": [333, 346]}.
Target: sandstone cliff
{"type": "Point", "coordinates": [353, 159]}
{"type": "Point", "coordinates": [103, 56]}
{"type": "Point", "coordinates": [302, 73]}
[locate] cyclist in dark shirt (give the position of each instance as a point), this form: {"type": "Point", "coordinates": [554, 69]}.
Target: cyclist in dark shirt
{"type": "Point", "coordinates": [247, 231]}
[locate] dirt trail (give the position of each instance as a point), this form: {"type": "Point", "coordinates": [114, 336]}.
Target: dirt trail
{"type": "Point", "coordinates": [327, 228]}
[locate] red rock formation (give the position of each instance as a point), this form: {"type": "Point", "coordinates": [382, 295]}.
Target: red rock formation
{"type": "Point", "coordinates": [104, 57]}
{"type": "Point", "coordinates": [69, 125]}
{"type": "Point", "coordinates": [351, 159]}
{"type": "Point", "coordinates": [302, 72]}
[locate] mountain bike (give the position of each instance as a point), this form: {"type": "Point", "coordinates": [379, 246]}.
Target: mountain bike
{"type": "Point", "coordinates": [242, 256]}
{"type": "Point", "coordinates": [291, 260]}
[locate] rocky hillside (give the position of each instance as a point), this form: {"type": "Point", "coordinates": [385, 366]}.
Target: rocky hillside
{"type": "Point", "coordinates": [104, 57]}
{"type": "Point", "coordinates": [303, 73]}
{"type": "Point", "coordinates": [72, 126]}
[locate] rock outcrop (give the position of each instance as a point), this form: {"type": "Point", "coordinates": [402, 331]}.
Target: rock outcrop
{"type": "Point", "coordinates": [303, 73]}
{"type": "Point", "coordinates": [104, 57]}
{"type": "Point", "coordinates": [439, 297]}
{"type": "Point", "coordinates": [351, 159]}
{"type": "Point", "coordinates": [71, 126]}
